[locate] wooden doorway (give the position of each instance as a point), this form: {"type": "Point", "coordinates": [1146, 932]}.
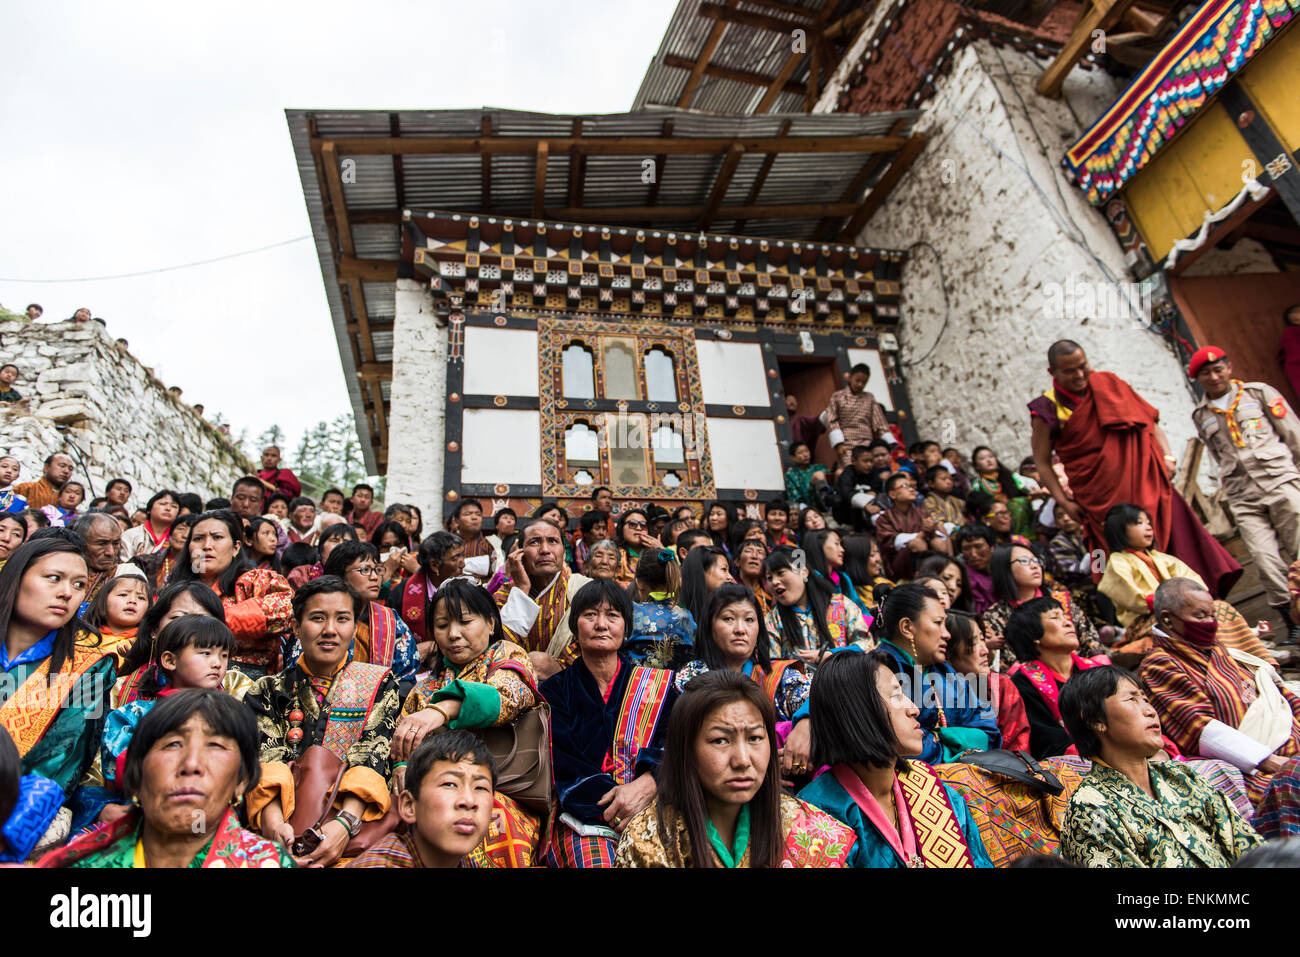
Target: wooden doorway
{"type": "Point", "coordinates": [812, 380]}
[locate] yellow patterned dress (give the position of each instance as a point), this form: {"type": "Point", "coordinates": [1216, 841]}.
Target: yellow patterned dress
{"type": "Point", "coordinates": [1111, 822]}
{"type": "Point", "coordinates": [494, 690]}
{"type": "Point", "coordinates": [812, 839]}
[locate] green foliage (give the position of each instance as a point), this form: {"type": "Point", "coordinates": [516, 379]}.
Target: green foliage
{"type": "Point", "coordinates": [328, 455]}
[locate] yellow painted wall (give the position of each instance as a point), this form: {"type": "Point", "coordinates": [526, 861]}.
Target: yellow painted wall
{"type": "Point", "coordinates": [1272, 81]}
{"type": "Point", "coordinates": [1200, 172]}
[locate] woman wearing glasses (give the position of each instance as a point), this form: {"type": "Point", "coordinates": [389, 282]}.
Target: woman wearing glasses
{"type": "Point", "coordinates": [382, 638]}
{"type": "Point", "coordinates": [1018, 577]}
{"type": "Point", "coordinates": [903, 530]}
{"type": "Point", "coordinates": [632, 535]}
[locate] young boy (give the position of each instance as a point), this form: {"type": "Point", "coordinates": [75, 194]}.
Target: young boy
{"type": "Point", "coordinates": [940, 503]}
{"type": "Point", "coordinates": [446, 804]}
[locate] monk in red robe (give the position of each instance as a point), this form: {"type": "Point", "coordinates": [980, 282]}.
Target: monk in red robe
{"type": "Point", "coordinates": [1108, 439]}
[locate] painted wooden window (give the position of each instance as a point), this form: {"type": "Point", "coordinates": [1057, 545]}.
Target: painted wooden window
{"type": "Point", "coordinates": [578, 372]}
{"type": "Point", "coordinates": [660, 376]}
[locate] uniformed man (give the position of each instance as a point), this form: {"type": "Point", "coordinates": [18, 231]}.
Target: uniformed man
{"type": "Point", "coordinates": [1254, 437]}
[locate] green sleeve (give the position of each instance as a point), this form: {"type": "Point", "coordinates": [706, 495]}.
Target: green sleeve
{"type": "Point", "coordinates": [480, 704]}
{"type": "Point", "coordinates": [69, 745]}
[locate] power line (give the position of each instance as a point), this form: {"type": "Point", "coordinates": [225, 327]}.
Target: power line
{"type": "Point", "coordinates": [150, 272]}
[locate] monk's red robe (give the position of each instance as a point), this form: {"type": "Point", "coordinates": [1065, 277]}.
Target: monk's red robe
{"type": "Point", "coordinates": [1110, 454]}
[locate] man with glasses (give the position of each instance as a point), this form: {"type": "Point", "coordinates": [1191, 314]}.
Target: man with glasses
{"type": "Point", "coordinates": [998, 517]}
{"type": "Point", "coordinates": [903, 529]}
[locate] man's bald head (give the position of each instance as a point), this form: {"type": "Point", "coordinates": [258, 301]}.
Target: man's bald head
{"type": "Point", "coordinates": [1058, 350]}
{"type": "Point", "coordinates": [1176, 595]}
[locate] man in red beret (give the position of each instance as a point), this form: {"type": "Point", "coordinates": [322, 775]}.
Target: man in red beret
{"type": "Point", "coordinates": [1254, 437]}
{"type": "Point", "coordinates": [1108, 439]}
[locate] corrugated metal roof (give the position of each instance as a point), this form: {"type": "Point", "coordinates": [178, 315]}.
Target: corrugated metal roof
{"type": "Point", "coordinates": [741, 47]}
{"type": "Point", "coordinates": [453, 181]}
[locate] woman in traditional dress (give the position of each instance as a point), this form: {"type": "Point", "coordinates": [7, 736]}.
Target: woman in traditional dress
{"type": "Point", "coordinates": [969, 656]}
{"type": "Point", "coordinates": [329, 539]}
{"type": "Point", "coordinates": [631, 534]}
{"type": "Point", "coordinates": [57, 678]}
{"type": "Point", "coordinates": [718, 519]}
{"type": "Point", "coordinates": [1130, 810]}
{"type": "Point", "coordinates": [13, 532]}
{"type": "Point", "coordinates": [159, 565]}
{"type": "Point", "coordinates": [441, 556]}
{"type": "Point", "coordinates": [1134, 569]}
{"type": "Point", "coordinates": [1017, 577]}
{"type": "Point", "coordinates": [719, 802]}
{"type": "Point", "coordinates": [913, 626]}
{"type": "Point", "coordinates": [381, 637]}
{"type": "Point", "coordinates": [478, 679]}
{"type": "Point", "coordinates": [1043, 639]}
{"type": "Point", "coordinates": [808, 620]}
{"type": "Point", "coordinates": [263, 538]}
{"type": "Point", "coordinates": [348, 707]}
{"type": "Point", "coordinates": [257, 600]}
{"type": "Point", "coordinates": [608, 719]}
{"type": "Point", "coordinates": [663, 632]}
{"type": "Point", "coordinates": [865, 566]}
{"type": "Point", "coordinates": [953, 575]}
{"type": "Point", "coordinates": [824, 553]}
{"type": "Point", "coordinates": [747, 554]}
{"type": "Point", "coordinates": [705, 569]}
{"type": "Point", "coordinates": [64, 510]}
{"type": "Point", "coordinates": [1003, 485]}
{"type": "Point", "coordinates": [902, 814]}
{"type": "Point", "coordinates": [154, 534]}
{"type": "Point", "coordinates": [188, 767]}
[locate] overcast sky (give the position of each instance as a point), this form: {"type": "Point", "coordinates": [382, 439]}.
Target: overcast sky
{"type": "Point", "coordinates": [143, 135]}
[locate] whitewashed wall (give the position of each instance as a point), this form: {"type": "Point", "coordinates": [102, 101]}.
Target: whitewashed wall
{"type": "Point", "coordinates": [417, 409]}
{"type": "Point", "coordinates": [1001, 245]}
{"type": "Point", "coordinates": [124, 420]}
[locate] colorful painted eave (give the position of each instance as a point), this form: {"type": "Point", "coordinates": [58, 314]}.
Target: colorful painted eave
{"type": "Point", "coordinates": [1220, 38]}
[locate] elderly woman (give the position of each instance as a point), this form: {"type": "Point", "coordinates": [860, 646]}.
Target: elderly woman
{"type": "Point", "coordinates": [1131, 811]}
{"type": "Point", "coordinates": [188, 767]}
{"type": "Point", "coordinates": [915, 635]}
{"type": "Point", "coordinates": [440, 556]}
{"type": "Point", "coordinates": [603, 560]}
{"type": "Point", "coordinates": [478, 679]}
{"type": "Point", "coordinates": [808, 619]}
{"type": "Point", "coordinates": [347, 708]}
{"type": "Point", "coordinates": [608, 719]}
{"type": "Point", "coordinates": [257, 600]}
{"type": "Point", "coordinates": [902, 814]}
{"type": "Point", "coordinates": [56, 676]}
{"type": "Point", "coordinates": [1018, 577]}
{"type": "Point", "coordinates": [719, 802]}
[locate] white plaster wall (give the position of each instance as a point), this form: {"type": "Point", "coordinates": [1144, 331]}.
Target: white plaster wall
{"type": "Point", "coordinates": [1000, 244]}
{"type": "Point", "coordinates": [502, 445]}
{"type": "Point", "coordinates": [1246, 256]}
{"type": "Point", "coordinates": [123, 419]}
{"type": "Point", "coordinates": [417, 410]}
{"type": "Point", "coordinates": [732, 373]}
{"type": "Point", "coordinates": [745, 454]}
{"type": "Point", "coordinates": [500, 361]}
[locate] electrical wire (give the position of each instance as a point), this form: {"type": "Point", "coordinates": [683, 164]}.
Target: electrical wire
{"type": "Point", "coordinates": [947, 309]}
{"type": "Point", "coordinates": [151, 272]}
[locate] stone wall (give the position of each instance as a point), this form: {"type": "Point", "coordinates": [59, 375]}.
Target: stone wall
{"type": "Point", "coordinates": [1003, 240]}
{"type": "Point", "coordinates": [123, 419]}
{"type": "Point", "coordinates": [417, 412]}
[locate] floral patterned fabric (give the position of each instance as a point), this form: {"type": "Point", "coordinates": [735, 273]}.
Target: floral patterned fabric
{"type": "Point", "coordinates": [1111, 822]}
{"type": "Point", "coordinates": [790, 694]}
{"type": "Point", "coordinates": [812, 839]}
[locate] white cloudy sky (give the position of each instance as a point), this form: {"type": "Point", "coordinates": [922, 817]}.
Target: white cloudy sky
{"type": "Point", "coordinates": [142, 135]}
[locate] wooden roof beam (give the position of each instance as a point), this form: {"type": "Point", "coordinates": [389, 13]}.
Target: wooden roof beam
{"type": "Point", "coordinates": [759, 21]}
{"type": "Point", "coordinates": [539, 178]}
{"type": "Point", "coordinates": [1097, 15]}
{"type": "Point", "coordinates": [692, 214]}
{"type": "Point", "coordinates": [761, 177]}
{"type": "Point", "coordinates": [375, 370]}
{"type": "Point", "coordinates": [848, 23]}
{"type": "Point", "coordinates": [727, 73]}
{"type": "Point", "coordinates": [485, 170]}
{"type": "Point", "coordinates": [720, 184]}
{"type": "Point", "coordinates": [826, 228]}
{"type": "Point", "coordinates": [813, 36]}
{"type": "Point", "coordinates": [900, 165]}
{"type": "Point", "coordinates": [661, 160]}
{"type": "Point", "coordinates": [577, 169]}
{"type": "Point", "coordinates": [702, 61]}
{"type": "Point", "coordinates": [367, 270]}
{"type": "Point", "coordinates": [613, 145]}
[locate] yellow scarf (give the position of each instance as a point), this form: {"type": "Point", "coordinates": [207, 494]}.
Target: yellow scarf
{"type": "Point", "coordinates": [1234, 430]}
